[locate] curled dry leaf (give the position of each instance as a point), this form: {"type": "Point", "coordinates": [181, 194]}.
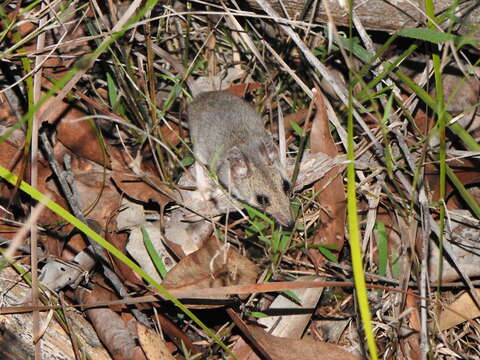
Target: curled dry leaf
{"type": "Point", "coordinates": [119, 240]}
{"type": "Point", "coordinates": [185, 237]}
{"type": "Point", "coordinates": [130, 215]}
{"type": "Point", "coordinates": [297, 118]}
{"type": "Point", "coordinates": [110, 327]}
{"type": "Point", "coordinates": [213, 265]}
{"type": "Point", "coordinates": [331, 190]}
{"type": "Point", "coordinates": [56, 274]}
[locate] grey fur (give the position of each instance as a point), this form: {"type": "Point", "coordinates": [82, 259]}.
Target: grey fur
{"type": "Point", "coordinates": [229, 137]}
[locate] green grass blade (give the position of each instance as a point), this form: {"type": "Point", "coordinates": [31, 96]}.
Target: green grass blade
{"type": "Point", "coordinates": [354, 238]}
{"type": "Point", "coordinates": [427, 34]}
{"type": "Point", "coordinates": [466, 196]}
{"type": "Point", "coordinates": [382, 248]}
{"type": "Point", "coordinates": [157, 261]}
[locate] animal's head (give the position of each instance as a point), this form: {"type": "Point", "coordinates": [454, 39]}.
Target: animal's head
{"type": "Point", "coordinates": [259, 180]}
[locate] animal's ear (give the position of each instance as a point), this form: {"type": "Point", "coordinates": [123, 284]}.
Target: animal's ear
{"type": "Point", "coordinates": [239, 168]}
{"type": "Point", "coordinates": [269, 150]}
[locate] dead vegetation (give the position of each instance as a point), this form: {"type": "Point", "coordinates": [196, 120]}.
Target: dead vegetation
{"type": "Point", "coordinates": [92, 115]}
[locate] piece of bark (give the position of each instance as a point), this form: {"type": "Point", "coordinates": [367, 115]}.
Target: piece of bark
{"type": "Point", "coordinates": [16, 335]}
{"type": "Point", "coordinates": [378, 14]}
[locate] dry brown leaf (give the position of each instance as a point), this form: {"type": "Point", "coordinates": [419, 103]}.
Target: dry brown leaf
{"type": "Point", "coordinates": [209, 267]}
{"type": "Point", "coordinates": [97, 196]}
{"type": "Point", "coordinates": [411, 343]}
{"type": "Point", "coordinates": [11, 157]}
{"type": "Point", "coordinates": [414, 318]}
{"type": "Point", "coordinates": [110, 327]}
{"type": "Point", "coordinates": [152, 344]}
{"type": "Point", "coordinates": [80, 137]}
{"type": "Point", "coordinates": [297, 117]}
{"type": "Point", "coordinates": [461, 310]}
{"type": "Point", "coordinates": [145, 187]}
{"type": "Point", "coordinates": [463, 245]}
{"type": "Point", "coordinates": [293, 325]}
{"type": "Point", "coordinates": [119, 240]}
{"type": "Point", "coordinates": [243, 88]}
{"type": "Point", "coordinates": [332, 193]}
{"type": "Point", "coordinates": [294, 349]}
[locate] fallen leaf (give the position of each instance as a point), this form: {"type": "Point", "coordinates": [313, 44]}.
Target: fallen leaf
{"type": "Point", "coordinates": [80, 137]}
{"type": "Point", "coordinates": [294, 349]}
{"type": "Point", "coordinates": [136, 248]}
{"type": "Point", "coordinates": [96, 194]}
{"type": "Point", "coordinates": [152, 344]}
{"type": "Point", "coordinates": [110, 326]}
{"type": "Point", "coordinates": [293, 326]}
{"type": "Point", "coordinates": [461, 310]}
{"type": "Point", "coordinates": [463, 245]}
{"type": "Point", "coordinates": [211, 266]}
{"type": "Point", "coordinates": [143, 187]}
{"type": "Point", "coordinates": [331, 190]}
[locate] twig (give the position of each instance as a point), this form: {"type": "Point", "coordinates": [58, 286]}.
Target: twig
{"type": "Point", "coordinates": [37, 83]}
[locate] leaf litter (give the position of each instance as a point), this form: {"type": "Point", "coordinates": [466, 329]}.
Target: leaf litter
{"type": "Point", "coordinates": [118, 133]}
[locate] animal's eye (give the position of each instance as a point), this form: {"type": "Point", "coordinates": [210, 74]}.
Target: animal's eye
{"type": "Point", "coordinates": [286, 186]}
{"type": "Point", "coordinates": [263, 200]}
